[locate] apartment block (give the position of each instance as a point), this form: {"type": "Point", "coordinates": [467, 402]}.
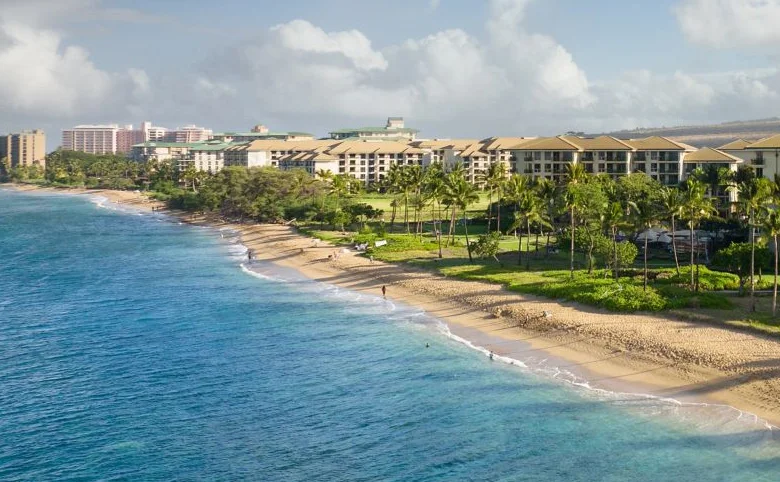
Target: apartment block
{"type": "Point", "coordinates": [658, 157]}
{"type": "Point", "coordinates": [113, 139]}
{"type": "Point", "coordinates": [94, 139]}
{"type": "Point", "coordinates": [26, 148]}
{"type": "Point", "coordinates": [763, 155]}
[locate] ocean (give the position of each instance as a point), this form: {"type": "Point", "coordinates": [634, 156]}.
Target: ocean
{"type": "Point", "coordinates": [133, 347]}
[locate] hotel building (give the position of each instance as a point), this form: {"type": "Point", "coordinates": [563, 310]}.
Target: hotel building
{"type": "Point", "coordinates": [26, 148]}
{"type": "Point", "coordinates": [395, 129]}
{"type": "Point", "coordinates": [113, 139]}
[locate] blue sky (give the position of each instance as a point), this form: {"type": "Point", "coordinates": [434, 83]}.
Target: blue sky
{"type": "Point", "coordinates": [452, 67]}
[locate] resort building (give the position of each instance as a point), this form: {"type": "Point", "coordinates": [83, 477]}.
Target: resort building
{"type": "Point", "coordinates": [94, 139]}
{"type": "Point", "coordinates": [204, 156]}
{"type": "Point", "coordinates": [369, 161]}
{"type": "Point", "coordinates": [547, 157]}
{"type": "Point", "coordinates": [190, 133]}
{"type": "Point", "coordinates": [113, 139]}
{"type": "Point", "coordinates": [271, 153]}
{"type": "Point", "coordinates": [763, 155]}
{"type": "Point", "coordinates": [161, 151]}
{"type": "Point", "coordinates": [26, 148]}
{"type": "Point", "coordinates": [474, 155]}
{"type": "Point", "coordinates": [394, 130]}
{"type": "Point", "coordinates": [261, 133]}
{"type": "Point", "coordinates": [708, 158]}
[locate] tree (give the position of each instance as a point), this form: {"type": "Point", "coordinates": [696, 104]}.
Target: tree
{"type": "Point", "coordinates": [462, 194]}
{"type": "Point", "coordinates": [671, 204]}
{"type": "Point", "coordinates": [575, 174]}
{"type": "Point", "coordinates": [696, 207]}
{"type": "Point", "coordinates": [771, 226]}
{"type": "Point", "coordinates": [645, 215]}
{"type": "Point", "coordinates": [494, 181]}
{"type": "Point", "coordinates": [487, 246]}
{"type": "Point", "coordinates": [530, 211]}
{"type": "Point", "coordinates": [516, 189]}
{"type": "Point", "coordinates": [752, 195]}
{"type": "Point", "coordinates": [614, 218]}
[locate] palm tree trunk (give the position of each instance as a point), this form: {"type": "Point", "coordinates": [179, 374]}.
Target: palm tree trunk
{"type": "Point", "coordinates": [645, 274]}
{"type": "Point", "coordinates": [451, 237]}
{"type": "Point", "coordinates": [571, 254]}
{"type": "Point", "coordinates": [674, 249]}
{"type": "Point", "coordinates": [528, 254]}
{"type": "Point", "coordinates": [439, 233]}
{"type": "Point", "coordinates": [498, 214]}
{"type": "Point", "coordinates": [752, 263]}
{"type": "Point", "coordinates": [615, 268]}
{"type": "Point", "coordinates": [466, 228]}
{"type": "Point", "coordinates": [490, 210]}
{"type": "Point", "coordinates": [406, 211]}
{"type": "Point", "coordinates": [693, 286]}
{"type": "Point", "coordinates": [774, 288]}
{"type": "Point", "coordinates": [392, 217]}
{"type": "Point", "coordinates": [519, 248]}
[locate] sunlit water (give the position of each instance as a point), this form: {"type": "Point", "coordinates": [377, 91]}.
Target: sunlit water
{"type": "Point", "coordinates": [136, 348]}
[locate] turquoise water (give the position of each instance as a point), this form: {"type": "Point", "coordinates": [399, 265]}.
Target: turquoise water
{"type": "Point", "coordinates": [135, 348]}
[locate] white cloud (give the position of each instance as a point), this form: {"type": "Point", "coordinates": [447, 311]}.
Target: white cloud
{"type": "Point", "coordinates": [434, 4]}
{"type": "Point", "coordinates": [730, 23]}
{"type": "Point", "coordinates": [510, 77]}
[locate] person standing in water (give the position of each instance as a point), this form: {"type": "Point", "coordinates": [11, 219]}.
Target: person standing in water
{"type": "Point", "coordinates": [384, 292]}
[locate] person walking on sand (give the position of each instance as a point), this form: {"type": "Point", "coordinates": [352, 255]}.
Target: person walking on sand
{"type": "Point", "coordinates": [384, 292]}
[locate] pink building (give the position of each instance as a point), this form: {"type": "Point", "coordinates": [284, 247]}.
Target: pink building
{"type": "Point", "coordinates": [112, 139]}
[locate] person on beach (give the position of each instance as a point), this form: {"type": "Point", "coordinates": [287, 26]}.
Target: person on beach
{"type": "Point", "coordinates": [491, 356]}
{"type": "Point", "coordinates": [384, 292]}
{"type": "Point", "coordinates": [371, 259]}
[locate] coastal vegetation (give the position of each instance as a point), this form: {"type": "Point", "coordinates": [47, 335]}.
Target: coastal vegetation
{"type": "Point", "coordinates": [586, 238]}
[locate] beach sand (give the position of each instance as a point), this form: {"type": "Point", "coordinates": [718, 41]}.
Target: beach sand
{"type": "Point", "coordinates": [638, 353]}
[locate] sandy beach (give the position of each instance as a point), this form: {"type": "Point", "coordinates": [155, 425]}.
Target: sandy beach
{"type": "Point", "coordinates": [644, 353]}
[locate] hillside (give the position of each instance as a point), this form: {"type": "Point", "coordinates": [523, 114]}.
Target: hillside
{"type": "Point", "coordinates": [709, 135]}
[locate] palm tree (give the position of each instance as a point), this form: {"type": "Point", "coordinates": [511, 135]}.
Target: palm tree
{"type": "Point", "coordinates": [494, 179]}
{"type": "Point", "coordinates": [462, 194]}
{"type": "Point", "coordinates": [752, 195]}
{"type": "Point", "coordinates": [671, 201]}
{"type": "Point", "coordinates": [645, 215]}
{"type": "Point", "coordinates": [614, 217]}
{"type": "Point", "coordinates": [530, 211]}
{"type": "Point", "coordinates": [434, 188]}
{"type": "Point", "coordinates": [324, 174]}
{"type": "Point", "coordinates": [545, 189]}
{"type": "Point", "coordinates": [696, 207]}
{"type": "Point", "coordinates": [575, 175]}
{"type": "Point", "coordinates": [516, 189]}
{"type": "Point", "coordinates": [771, 225]}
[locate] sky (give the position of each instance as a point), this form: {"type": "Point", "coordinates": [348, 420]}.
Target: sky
{"type": "Point", "coordinates": [452, 68]}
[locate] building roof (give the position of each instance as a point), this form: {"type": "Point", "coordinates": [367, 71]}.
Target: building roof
{"type": "Point", "coordinates": [373, 147]}
{"type": "Point", "coordinates": [655, 143]}
{"type": "Point", "coordinates": [474, 150]}
{"type": "Point", "coordinates": [503, 143]}
{"type": "Point", "coordinates": [547, 144]}
{"type": "Point", "coordinates": [386, 130]}
{"type": "Point", "coordinates": [709, 154]}
{"type": "Point", "coordinates": [601, 143]}
{"type": "Point", "coordinates": [738, 145]}
{"type": "Point", "coordinates": [441, 144]}
{"type": "Point", "coordinates": [261, 135]}
{"type": "Point", "coordinates": [772, 142]}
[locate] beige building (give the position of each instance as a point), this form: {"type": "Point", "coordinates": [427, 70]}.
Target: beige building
{"type": "Point", "coordinates": [658, 157]}
{"type": "Point", "coordinates": [26, 148]}
{"type": "Point", "coordinates": [763, 155]}
{"type": "Point", "coordinates": [369, 161]}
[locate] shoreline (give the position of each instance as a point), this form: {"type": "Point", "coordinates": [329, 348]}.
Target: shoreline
{"type": "Point", "coordinates": [594, 345]}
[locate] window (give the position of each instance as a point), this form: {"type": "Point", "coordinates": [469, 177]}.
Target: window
{"type": "Point", "coordinates": [654, 167]}
{"type": "Point", "coordinates": [537, 156]}
{"type": "Point", "coordinates": [537, 168]}
{"type": "Point", "coordinates": [602, 167]}
{"type": "Point", "coordinates": [654, 156]}
{"type": "Point", "coordinates": [548, 156]}
{"type": "Point", "coordinates": [602, 156]}
{"type": "Point", "coordinates": [548, 167]}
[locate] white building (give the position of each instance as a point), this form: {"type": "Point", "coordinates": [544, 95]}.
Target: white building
{"type": "Point", "coordinates": [190, 133]}
{"type": "Point", "coordinates": [94, 139]}
{"type": "Point", "coordinates": [763, 155]}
